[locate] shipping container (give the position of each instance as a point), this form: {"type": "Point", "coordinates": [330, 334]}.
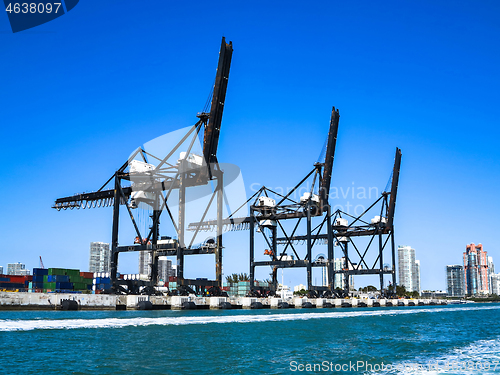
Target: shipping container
{"type": "Point", "coordinates": [79, 286]}
{"type": "Point", "coordinates": [47, 285]}
{"type": "Point", "coordinates": [63, 271]}
{"type": "Point", "coordinates": [102, 280]}
{"type": "Point", "coordinates": [75, 279]}
{"type": "Point", "coordinates": [73, 272]}
{"type": "Point", "coordinates": [40, 271]}
{"type": "Point", "coordinates": [11, 286]}
{"type": "Point", "coordinates": [56, 271]}
{"type": "Point", "coordinates": [56, 279]}
{"type": "Point", "coordinates": [64, 285]}
{"type": "Point", "coordinates": [17, 279]}
{"type": "Point", "coordinates": [87, 275]}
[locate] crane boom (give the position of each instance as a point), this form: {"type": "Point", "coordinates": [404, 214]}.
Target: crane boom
{"type": "Point", "coordinates": [330, 154]}
{"type": "Point", "coordinates": [394, 188]}
{"type": "Point", "coordinates": [212, 129]}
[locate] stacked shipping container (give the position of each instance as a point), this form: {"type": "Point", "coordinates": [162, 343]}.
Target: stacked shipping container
{"type": "Point", "coordinates": [102, 281]}
{"type": "Point", "coordinates": [14, 282]}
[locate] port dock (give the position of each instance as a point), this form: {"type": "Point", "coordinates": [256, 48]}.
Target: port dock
{"type": "Point", "coordinates": [55, 301]}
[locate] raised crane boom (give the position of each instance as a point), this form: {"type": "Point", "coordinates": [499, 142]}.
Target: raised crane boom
{"type": "Point", "coordinates": [330, 154]}
{"type": "Point", "coordinates": [394, 188]}
{"type": "Point", "coordinates": [212, 129]}
{"type": "Point", "coordinates": [212, 120]}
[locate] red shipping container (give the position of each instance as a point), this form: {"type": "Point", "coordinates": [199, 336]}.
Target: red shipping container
{"type": "Point", "coordinates": [172, 279]}
{"type": "Point", "coordinates": [16, 279]}
{"type": "Point", "coordinates": [87, 275]}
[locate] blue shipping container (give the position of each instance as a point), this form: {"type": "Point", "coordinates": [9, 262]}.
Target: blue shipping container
{"type": "Point", "coordinates": [2, 279]}
{"type": "Point", "coordinates": [40, 271]}
{"type": "Point", "coordinates": [102, 280]}
{"type": "Point", "coordinates": [57, 279]}
{"type": "Point", "coordinates": [64, 285]}
{"type": "Point", "coordinates": [38, 278]}
{"type": "Point", "coordinates": [11, 285]}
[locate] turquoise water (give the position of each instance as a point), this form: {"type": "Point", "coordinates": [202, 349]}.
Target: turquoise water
{"type": "Point", "coordinates": [253, 341]}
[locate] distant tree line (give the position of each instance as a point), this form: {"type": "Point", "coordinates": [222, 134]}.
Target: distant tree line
{"type": "Point", "coordinates": [236, 277]}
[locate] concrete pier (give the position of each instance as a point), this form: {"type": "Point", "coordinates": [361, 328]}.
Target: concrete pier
{"type": "Point", "coordinates": [53, 301]}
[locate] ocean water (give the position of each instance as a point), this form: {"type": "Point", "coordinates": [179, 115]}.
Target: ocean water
{"type": "Point", "coordinates": [454, 339]}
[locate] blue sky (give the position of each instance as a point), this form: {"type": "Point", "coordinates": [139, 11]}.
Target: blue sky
{"type": "Point", "coordinates": [80, 93]}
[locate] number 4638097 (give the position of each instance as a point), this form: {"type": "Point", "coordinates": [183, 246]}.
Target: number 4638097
{"type": "Point", "coordinates": [32, 7]}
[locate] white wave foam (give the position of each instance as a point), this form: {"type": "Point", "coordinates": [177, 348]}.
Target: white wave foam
{"type": "Point", "coordinates": [28, 325]}
{"type": "Point", "coordinates": [480, 357]}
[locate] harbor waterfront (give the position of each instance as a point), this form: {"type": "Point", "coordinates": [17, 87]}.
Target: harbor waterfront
{"type": "Point", "coordinates": [349, 340]}
{"type": "Point", "coordinates": [56, 301]}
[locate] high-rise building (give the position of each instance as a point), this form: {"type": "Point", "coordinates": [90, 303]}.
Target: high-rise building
{"type": "Point", "coordinates": [455, 280]}
{"type": "Point", "coordinates": [409, 269]}
{"type": "Point", "coordinates": [1, 270]}
{"type": "Point", "coordinates": [17, 269]}
{"type": "Point", "coordinates": [416, 273]}
{"type": "Point", "coordinates": [324, 269]}
{"type": "Point", "coordinates": [338, 281]}
{"type": "Point", "coordinates": [165, 269]}
{"type": "Point", "coordinates": [495, 284]}
{"type": "Point", "coordinates": [491, 272]}
{"type": "Point", "coordinates": [145, 262]}
{"type": "Point", "coordinates": [100, 257]}
{"type": "Point", "coordinates": [476, 270]}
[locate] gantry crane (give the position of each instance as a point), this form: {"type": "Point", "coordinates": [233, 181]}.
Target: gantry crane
{"type": "Point", "coordinates": [152, 184]}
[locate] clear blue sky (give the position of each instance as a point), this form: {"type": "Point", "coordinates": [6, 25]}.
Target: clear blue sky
{"type": "Point", "coordinates": [78, 94]}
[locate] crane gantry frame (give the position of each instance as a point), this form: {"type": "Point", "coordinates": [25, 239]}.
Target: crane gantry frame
{"type": "Point", "coordinates": [166, 177]}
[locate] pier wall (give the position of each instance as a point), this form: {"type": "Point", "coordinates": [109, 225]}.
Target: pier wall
{"type": "Point", "coordinates": [53, 301]}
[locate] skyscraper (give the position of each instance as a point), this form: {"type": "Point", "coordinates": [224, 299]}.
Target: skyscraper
{"type": "Point", "coordinates": [455, 280]}
{"type": "Point", "coordinates": [321, 258]}
{"type": "Point", "coordinates": [495, 284]}
{"type": "Point", "coordinates": [100, 257]}
{"type": "Point", "coordinates": [165, 269]}
{"type": "Point", "coordinates": [416, 273]}
{"type": "Point", "coordinates": [17, 269]}
{"type": "Point", "coordinates": [145, 262]}
{"type": "Point", "coordinates": [1, 270]}
{"type": "Point", "coordinates": [491, 272]}
{"type": "Point", "coordinates": [409, 269]}
{"type": "Point", "coordinates": [476, 270]}
{"type": "Point", "coordinates": [338, 281]}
